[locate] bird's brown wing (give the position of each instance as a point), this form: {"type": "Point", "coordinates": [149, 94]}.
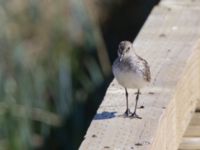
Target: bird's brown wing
{"type": "Point", "coordinates": [145, 69]}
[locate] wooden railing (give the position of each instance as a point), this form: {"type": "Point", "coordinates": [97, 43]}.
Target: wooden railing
{"type": "Point", "coordinates": [169, 41]}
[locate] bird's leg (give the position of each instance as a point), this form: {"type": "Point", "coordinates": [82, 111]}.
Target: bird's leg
{"type": "Point", "coordinates": [134, 114]}
{"type": "Point", "coordinates": [127, 112]}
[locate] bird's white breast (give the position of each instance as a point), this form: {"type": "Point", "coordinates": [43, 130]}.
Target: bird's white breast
{"type": "Point", "coordinates": [129, 79]}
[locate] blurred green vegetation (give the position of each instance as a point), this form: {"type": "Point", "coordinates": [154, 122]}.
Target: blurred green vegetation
{"type": "Point", "coordinates": [51, 58]}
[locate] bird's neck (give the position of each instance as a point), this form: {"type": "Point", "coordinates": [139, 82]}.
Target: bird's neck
{"type": "Point", "coordinates": [134, 55]}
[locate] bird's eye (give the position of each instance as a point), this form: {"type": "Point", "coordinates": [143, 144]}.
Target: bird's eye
{"type": "Point", "coordinates": [128, 49]}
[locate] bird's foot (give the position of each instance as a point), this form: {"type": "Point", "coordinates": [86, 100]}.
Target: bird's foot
{"type": "Point", "coordinates": [127, 112]}
{"type": "Point", "coordinates": [134, 115]}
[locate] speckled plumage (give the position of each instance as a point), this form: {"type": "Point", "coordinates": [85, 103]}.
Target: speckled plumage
{"type": "Point", "coordinates": [131, 71]}
{"type": "Point", "coordinates": [145, 69]}
{"type": "Point", "coordinates": [132, 68]}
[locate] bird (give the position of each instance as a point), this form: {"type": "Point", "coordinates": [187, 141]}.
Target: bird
{"type": "Point", "coordinates": [131, 71]}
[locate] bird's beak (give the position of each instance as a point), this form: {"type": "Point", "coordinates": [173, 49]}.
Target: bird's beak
{"type": "Point", "coordinates": [121, 57]}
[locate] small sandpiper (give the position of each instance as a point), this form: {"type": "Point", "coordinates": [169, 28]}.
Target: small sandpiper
{"type": "Point", "coordinates": [131, 71]}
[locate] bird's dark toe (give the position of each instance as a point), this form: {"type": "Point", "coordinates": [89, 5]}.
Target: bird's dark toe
{"type": "Point", "coordinates": [127, 112]}
{"type": "Point", "coordinates": [134, 115]}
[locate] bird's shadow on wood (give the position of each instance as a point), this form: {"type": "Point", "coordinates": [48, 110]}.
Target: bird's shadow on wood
{"type": "Point", "coordinates": [105, 115]}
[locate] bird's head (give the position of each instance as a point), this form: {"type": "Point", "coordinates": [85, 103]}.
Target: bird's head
{"type": "Point", "coordinates": [124, 49]}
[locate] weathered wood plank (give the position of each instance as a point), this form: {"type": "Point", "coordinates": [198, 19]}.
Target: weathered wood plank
{"type": "Point", "coordinates": [193, 130]}
{"type": "Point", "coordinates": [167, 41]}
{"type": "Point", "coordinates": [191, 139]}
{"type": "Point", "coordinates": [181, 3]}
{"type": "Point", "coordinates": [198, 106]}
{"type": "Point", "coordinates": [195, 121]}
{"type": "Point", "coordinates": [190, 143]}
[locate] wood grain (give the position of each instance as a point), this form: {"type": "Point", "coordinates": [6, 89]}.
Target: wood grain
{"type": "Point", "coordinates": [190, 143]}
{"type": "Point", "coordinates": [169, 42]}
{"type": "Point", "coordinates": [191, 139]}
{"type": "Point", "coordinates": [191, 4]}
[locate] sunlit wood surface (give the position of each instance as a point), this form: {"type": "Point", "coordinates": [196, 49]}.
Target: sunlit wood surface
{"type": "Point", "coordinates": [169, 41]}
{"type": "Point", "coordinates": [191, 138]}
